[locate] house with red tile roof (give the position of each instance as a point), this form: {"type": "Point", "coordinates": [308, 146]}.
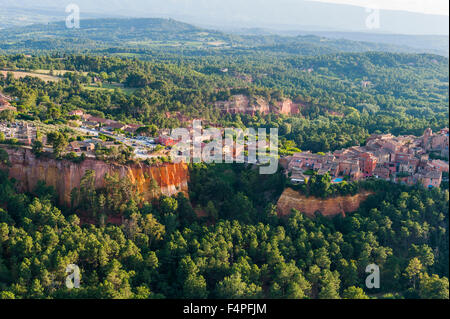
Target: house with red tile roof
{"type": "Point", "coordinates": [76, 113]}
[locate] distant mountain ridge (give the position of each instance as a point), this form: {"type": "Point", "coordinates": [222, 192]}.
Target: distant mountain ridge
{"type": "Point", "coordinates": [275, 14]}
{"type": "Point", "coordinates": [172, 35]}
{"type": "Point", "coordinates": [438, 44]}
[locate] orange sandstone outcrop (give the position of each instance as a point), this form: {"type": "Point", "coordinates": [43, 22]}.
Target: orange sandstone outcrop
{"type": "Point", "coordinates": [287, 107]}
{"type": "Point", "coordinates": [290, 199]}
{"type": "Point", "coordinates": [64, 175]}
{"type": "Point", "coordinates": [243, 105]}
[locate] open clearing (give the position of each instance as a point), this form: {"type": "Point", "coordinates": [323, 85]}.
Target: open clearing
{"type": "Point", "coordinates": [110, 87]}
{"type": "Point", "coordinates": [42, 74]}
{"type": "Point", "coordinates": [22, 74]}
{"type": "Point", "coordinates": [58, 72]}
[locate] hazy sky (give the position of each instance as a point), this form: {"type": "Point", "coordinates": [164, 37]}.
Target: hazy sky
{"type": "Point", "coordinates": [440, 7]}
{"type": "Point", "coordinates": [395, 16]}
{"type": "Point", "coordinates": [421, 6]}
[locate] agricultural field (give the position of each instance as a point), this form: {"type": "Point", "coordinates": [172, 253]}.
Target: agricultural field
{"type": "Point", "coordinates": [22, 74]}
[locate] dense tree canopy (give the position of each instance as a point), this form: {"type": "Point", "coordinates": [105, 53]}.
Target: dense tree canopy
{"type": "Point", "coordinates": [240, 250]}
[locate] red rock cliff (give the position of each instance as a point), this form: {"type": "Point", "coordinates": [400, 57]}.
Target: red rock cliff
{"type": "Point", "coordinates": [64, 175]}
{"type": "Point", "coordinates": [241, 104]}
{"type": "Point", "coordinates": [288, 107]}
{"type": "Point", "coordinates": [309, 205]}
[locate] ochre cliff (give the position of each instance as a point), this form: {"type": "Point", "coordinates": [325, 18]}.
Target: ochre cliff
{"type": "Point", "coordinates": [290, 199]}
{"type": "Point", "coordinates": [64, 175]}
{"type": "Point", "coordinates": [242, 104]}
{"type": "Point", "coordinates": [287, 107]}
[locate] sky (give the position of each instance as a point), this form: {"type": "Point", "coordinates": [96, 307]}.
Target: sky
{"type": "Point", "coordinates": [395, 16]}
{"type": "Point", "coordinates": [437, 7]}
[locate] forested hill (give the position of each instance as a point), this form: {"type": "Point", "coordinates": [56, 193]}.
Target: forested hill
{"type": "Point", "coordinates": [345, 97]}
{"type": "Point", "coordinates": [173, 36]}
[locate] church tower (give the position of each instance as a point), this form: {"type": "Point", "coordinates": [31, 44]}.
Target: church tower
{"type": "Point", "coordinates": [426, 138]}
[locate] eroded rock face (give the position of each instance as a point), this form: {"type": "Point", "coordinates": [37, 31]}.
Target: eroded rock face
{"type": "Point", "coordinates": [64, 175]}
{"type": "Point", "coordinates": [241, 104]}
{"type": "Point", "coordinates": [287, 107]}
{"type": "Point", "coordinates": [309, 205]}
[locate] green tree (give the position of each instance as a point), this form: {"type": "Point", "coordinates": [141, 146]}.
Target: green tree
{"type": "Point", "coordinates": [7, 295]}
{"type": "Point", "coordinates": [4, 157]}
{"type": "Point", "coordinates": [168, 205]}
{"type": "Point", "coordinates": [233, 287]}
{"type": "Point", "coordinates": [194, 287]}
{"type": "Point", "coordinates": [58, 142]}
{"type": "Point", "coordinates": [433, 287]}
{"type": "Point", "coordinates": [414, 270]}
{"type": "Point", "coordinates": [354, 293]}
{"type": "Point", "coordinates": [8, 115]}
{"type": "Point", "coordinates": [37, 147]}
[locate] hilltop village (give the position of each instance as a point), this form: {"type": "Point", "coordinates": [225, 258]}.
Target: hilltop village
{"type": "Point", "coordinates": [96, 137]}
{"type": "Point", "coordinates": [90, 136]}
{"type": "Point", "coordinates": [402, 159]}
